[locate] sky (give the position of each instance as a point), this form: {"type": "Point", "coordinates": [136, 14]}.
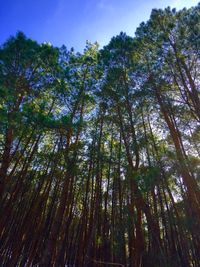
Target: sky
{"type": "Point", "coordinates": [72, 22]}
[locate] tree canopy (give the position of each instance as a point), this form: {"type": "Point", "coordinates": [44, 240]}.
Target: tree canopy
{"type": "Point", "coordinates": [100, 150]}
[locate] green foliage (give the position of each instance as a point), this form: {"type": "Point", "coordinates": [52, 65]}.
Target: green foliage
{"type": "Point", "coordinates": [147, 178]}
{"type": "Point", "coordinates": [94, 148]}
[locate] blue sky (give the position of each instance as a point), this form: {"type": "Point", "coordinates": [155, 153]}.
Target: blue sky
{"type": "Point", "coordinates": [72, 22]}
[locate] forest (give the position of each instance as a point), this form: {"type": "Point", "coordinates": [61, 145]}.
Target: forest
{"type": "Point", "coordinates": [100, 150]}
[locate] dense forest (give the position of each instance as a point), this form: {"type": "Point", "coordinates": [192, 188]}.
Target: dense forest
{"type": "Point", "coordinates": [100, 150]}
